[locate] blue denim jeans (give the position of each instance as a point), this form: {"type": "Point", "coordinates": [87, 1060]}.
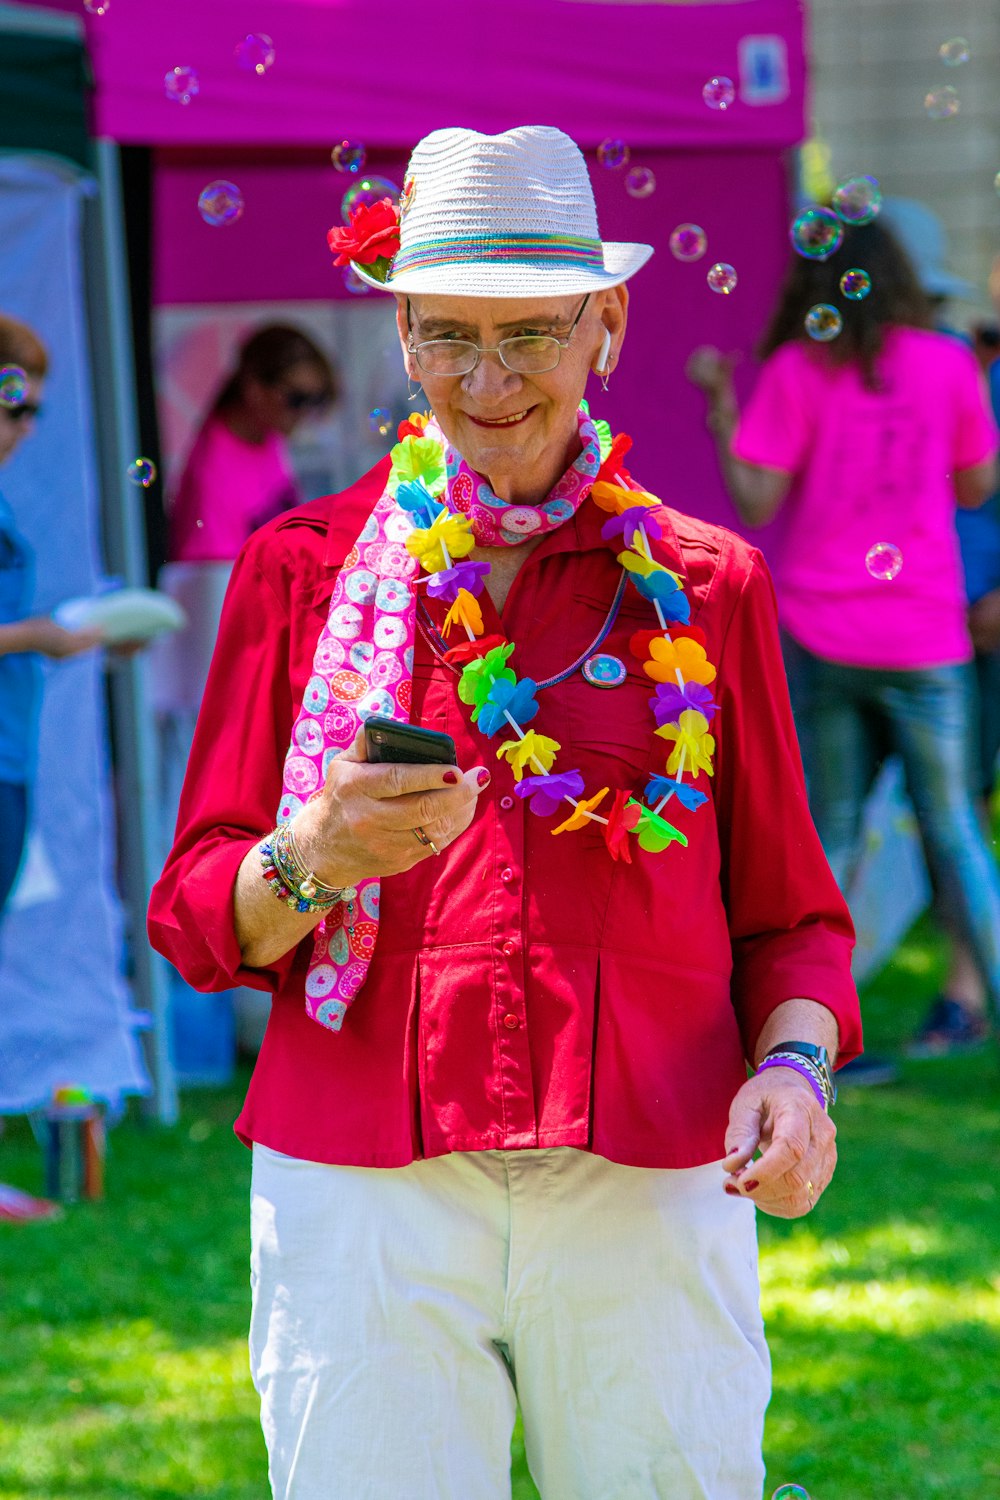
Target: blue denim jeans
{"type": "Point", "coordinates": [849, 719]}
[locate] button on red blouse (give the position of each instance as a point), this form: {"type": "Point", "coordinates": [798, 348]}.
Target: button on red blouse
{"type": "Point", "coordinates": [643, 986]}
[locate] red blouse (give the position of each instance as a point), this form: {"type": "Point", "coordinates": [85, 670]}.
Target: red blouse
{"type": "Point", "coordinates": [526, 990]}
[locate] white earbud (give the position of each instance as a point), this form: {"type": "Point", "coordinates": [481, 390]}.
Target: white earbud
{"type": "Point", "coordinates": [601, 368]}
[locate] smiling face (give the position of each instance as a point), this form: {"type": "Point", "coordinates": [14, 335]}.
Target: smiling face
{"type": "Point", "coordinates": [518, 430]}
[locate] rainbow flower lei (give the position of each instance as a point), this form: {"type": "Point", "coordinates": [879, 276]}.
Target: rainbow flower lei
{"type": "Point", "coordinates": [673, 655]}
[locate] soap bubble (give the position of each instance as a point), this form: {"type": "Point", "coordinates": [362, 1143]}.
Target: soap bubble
{"type": "Point", "coordinates": [954, 52]}
{"type": "Point", "coordinates": [142, 471]}
{"type": "Point", "coordinates": [942, 103]}
{"type": "Point", "coordinates": [380, 420]}
{"type": "Point", "coordinates": [613, 153]}
{"type": "Point", "coordinates": [640, 182]}
{"type": "Point", "coordinates": [688, 242]}
{"type": "Point", "coordinates": [255, 52]}
{"type": "Point", "coordinates": [823, 322]}
{"type": "Point", "coordinates": [181, 85]}
{"type": "Point", "coordinates": [353, 282]}
{"type": "Point", "coordinates": [722, 278]}
{"type": "Point", "coordinates": [349, 156]}
{"type": "Point", "coordinates": [884, 561]}
{"type": "Point", "coordinates": [855, 284]}
{"type": "Point", "coordinates": [13, 386]}
{"type": "Point", "coordinates": [719, 93]}
{"type": "Point", "coordinates": [816, 233]}
{"type": "Point", "coordinates": [220, 203]}
{"type": "Point", "coordinates": [790, 1492]}
{"type": "Point", "coordinates": [857, 200]}
{"type": "Point", "coordinates": [366, 192]}
{"type": "Point", "coordinates": [97, 7]}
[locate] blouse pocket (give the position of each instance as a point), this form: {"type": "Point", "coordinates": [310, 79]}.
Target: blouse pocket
{"type": "Point", "coordinates": [610, 730]}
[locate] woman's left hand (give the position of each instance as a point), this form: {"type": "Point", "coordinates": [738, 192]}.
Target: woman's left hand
{"type": "Point", "coordinates": [777, 1112]}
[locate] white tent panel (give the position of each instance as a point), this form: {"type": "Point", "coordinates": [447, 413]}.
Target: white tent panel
{"type": "Point", "coordinates": [64, 1003]}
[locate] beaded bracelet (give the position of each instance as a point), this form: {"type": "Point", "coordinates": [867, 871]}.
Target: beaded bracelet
{"type": "Point", "coordinates": [819, 1072]}
{"type": "Point", "coordinates": [799, 1065]}
{"type": "Point", "coordinates": [291, 882]}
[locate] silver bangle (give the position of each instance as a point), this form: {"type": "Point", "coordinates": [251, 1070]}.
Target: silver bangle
{"type": "Point", "coordinates": [799, 1061]}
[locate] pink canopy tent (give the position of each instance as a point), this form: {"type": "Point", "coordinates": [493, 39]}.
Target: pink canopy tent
{"type": "Point", "coordinates": [387, 74]}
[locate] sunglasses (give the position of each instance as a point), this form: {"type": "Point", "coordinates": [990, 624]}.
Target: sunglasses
{"type": "Point", "coordinates": [304, 400]}
{"type": "Point", "coordinates": [25, 409]}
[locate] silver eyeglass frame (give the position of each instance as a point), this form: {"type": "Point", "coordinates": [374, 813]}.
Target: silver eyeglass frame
{"type": "Point", "coordinates": [479, 350]}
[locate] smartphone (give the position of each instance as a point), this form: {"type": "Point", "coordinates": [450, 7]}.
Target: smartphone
{"type": "Point", "coordinates": [389, 741]}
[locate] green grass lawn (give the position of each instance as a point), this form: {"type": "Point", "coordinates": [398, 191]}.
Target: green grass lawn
{"type": "Point", "coordinates": [123, 1372]}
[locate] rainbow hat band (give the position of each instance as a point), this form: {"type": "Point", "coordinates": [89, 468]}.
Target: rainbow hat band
{"type": "Point", "coordinates": [552, 249]}
{"type": "Point", "coordinates": [509, 215]}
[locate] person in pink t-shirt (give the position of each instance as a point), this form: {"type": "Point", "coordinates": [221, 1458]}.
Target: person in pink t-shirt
{"type": "Point", "coordinates": [237, 475]}
{"type": "Point", "coordinates": [867, 443]}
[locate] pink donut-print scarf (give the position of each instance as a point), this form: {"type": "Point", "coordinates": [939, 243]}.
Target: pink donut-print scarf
{"type": "Point", "coordinates": [363, 664]}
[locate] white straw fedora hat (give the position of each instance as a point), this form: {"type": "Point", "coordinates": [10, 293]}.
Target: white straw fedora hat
{"type": "Point", "coordinates": [508, 215]}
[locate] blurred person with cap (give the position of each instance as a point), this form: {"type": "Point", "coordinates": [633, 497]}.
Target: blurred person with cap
{"type": "Point", "coordinates": [503, 1136]}
{"type": "Point", "coordinates": [869, 443]}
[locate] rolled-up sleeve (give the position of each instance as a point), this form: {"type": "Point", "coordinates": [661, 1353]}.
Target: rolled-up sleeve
{"type": "Point", "coordinates": [231, 789]}
{"type": "Point", "coordinates": [791, 932]}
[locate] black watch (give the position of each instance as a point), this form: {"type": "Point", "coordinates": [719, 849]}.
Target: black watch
{"type": "Point", "coordinates": [820, 1059]}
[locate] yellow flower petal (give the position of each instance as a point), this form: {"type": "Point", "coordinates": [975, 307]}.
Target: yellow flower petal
{"type": "Point", "coordinates": [534, 753]}
{"type": "Point", "coordinates": [437, 546]}
{"type": "Point", "coordinates": [692, 743]}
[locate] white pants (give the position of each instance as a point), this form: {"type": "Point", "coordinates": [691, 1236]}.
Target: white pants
{"type": "Point", "coordinates": [401, 1314]}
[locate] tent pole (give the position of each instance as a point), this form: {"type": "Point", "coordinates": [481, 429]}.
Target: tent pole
{"type": "Point", "coordinates": [137, 753]}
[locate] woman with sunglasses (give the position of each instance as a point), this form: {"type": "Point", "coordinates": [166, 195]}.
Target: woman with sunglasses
{"type": "Point", "coordinates": [23, 637]}
{"type": "Point", "coordinates": [237, 475]}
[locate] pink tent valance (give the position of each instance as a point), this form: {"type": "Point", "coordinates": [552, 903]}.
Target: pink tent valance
{"type": "Point", "coordinates": [389, 72]}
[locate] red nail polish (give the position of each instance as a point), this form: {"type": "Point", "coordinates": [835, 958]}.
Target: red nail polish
{"type": "Point", "coordinates": [733, 1192]}
{"type": "Point", "coordinates": [484, 778]}
{"type": "Point", "coordinates": [451, 777]}
{"type": "Point", "coordinates": [751, 1184]}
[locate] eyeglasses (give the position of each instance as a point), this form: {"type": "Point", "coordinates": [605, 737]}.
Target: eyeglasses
{"type": "Point", "coordinates": [523, 353]}
{"type": "Point", "coordinates": [18, 413]}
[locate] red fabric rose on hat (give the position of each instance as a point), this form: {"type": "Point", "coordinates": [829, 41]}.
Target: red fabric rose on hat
{"type": "Point", "coordinates": [371, 236]}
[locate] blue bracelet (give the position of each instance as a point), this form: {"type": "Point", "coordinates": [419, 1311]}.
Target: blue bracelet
{"type": "Point", "coordinates": [799, 1067]}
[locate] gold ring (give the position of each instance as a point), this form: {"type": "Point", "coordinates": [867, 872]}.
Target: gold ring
{"type": "Point", "coordinates": [428, 843]}
{"type": "Point", "coordinates": [810, 1193]}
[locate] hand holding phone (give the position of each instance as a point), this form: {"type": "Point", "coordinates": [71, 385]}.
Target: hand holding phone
{"type": "Point", "coordinates": [390, 799]}
{"type": "Point", "coordinates": [388, 741]}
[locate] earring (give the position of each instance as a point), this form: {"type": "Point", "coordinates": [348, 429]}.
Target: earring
{"type": "Point", "coordinates": [601, 368]}
{"type": "Point", "coordinates": [411, 394]}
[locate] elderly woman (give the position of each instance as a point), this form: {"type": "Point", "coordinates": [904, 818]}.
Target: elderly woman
{"type": "Point", "coordinates": [503, 1137]}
